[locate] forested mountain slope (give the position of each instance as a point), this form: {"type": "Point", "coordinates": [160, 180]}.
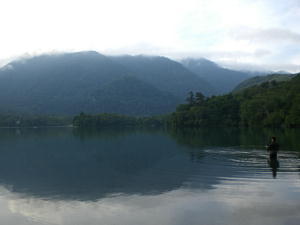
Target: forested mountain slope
{"type": "Point", "coordinates": [165, 74]}
{"type": "Point", "coordinates": [271, 104]}
{"type": "Point", "coordinates": [221, 79]}
{"type": "Point", "coordinates": [67, 84]}
{"type": "Point", "coordinates": [257, 80]}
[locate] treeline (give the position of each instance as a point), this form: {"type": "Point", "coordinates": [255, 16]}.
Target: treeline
{"type": "Point", "coordinates": [116, 120]}
{"type": "Point", "coordinates": [12, 120]}
{"type": "Point", "coordinates": [271, 104]}
{"type": "Point", "coordinates": [82, 120]}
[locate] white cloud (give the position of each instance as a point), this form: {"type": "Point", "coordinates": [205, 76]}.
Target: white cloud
{"type": "Point", "coordinates": [135, 26]}
{"type": "Point", "coordinates": [267, 35]}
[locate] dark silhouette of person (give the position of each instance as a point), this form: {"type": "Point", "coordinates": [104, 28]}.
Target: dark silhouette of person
{"type": "Point", "coordinates": [274, 164]}
{"type": "Point", "coordinates": [273, 148]}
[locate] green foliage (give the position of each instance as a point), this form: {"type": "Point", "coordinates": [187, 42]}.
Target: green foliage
{"type": "Point", "coordinates": [272, 80]}
{"type": "Point", "coordinates": [191, 99]}
{"type": "Point", "coordinates": [114, 120]}
{"type": "Point", "coordinates": [271, 104]}
{"type": "Point", "coordinates": [214, 111]}
{"type": "Point", "coordinates": [12, 120]}
{"type": "Point", "coordinates": [103, 120]}
{"type": "Point", "coordinates": [293, 115]}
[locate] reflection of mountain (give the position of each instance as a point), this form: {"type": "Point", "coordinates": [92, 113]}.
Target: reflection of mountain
{"type": "Point", "coordinates": [67, 167]}
{"type": "Point", "coordinates": [88, 166]}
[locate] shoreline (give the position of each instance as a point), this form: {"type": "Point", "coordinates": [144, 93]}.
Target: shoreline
{"type": "Point", "coordinates": [36, 127]}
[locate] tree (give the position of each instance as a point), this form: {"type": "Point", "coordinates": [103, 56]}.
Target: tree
{"type": "Point", "coordinates": [191, 99]}
{"type": "Point", "coordinates": [199, 99]}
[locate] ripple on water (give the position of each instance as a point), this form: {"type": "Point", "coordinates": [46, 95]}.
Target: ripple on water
{"type": "Point", "coordinates": [240, 166]}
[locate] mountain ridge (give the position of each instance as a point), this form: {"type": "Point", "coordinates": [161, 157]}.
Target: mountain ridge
{"type": "Point", "coordinates": [257, 80]}
{"type": "Point", "coordinates": [67, 83]}
{"type": "Point", "coordinates": [223, 80]}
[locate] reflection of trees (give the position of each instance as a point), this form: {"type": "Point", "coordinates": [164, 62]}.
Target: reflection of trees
{"type": "Point", "coordinates": [287, 138]}
{"type": "Point", "coordinates": [12, 133]}
{"type": "Point", "coordinates": [228, 137]}
{"type": "Point", "coordinates": [195, 138]}
{"type": "Point", "coordinates": [83, 133]}
{"type": "Point", "coordinates": [88, 164]}
{"type": "Point", "coordinates": [111, 132]}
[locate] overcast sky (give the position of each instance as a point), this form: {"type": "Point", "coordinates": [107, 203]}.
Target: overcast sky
{"type": "Point", "coordinates": [234, 33]}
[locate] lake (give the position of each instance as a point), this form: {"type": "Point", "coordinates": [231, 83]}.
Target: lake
{"type": "Point", "coordinates": [70, 176]}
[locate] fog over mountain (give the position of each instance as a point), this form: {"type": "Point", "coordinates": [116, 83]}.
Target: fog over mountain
{"type": "Point", "coordinates": [70, 83]}
{"type": "Point", "coordinates": [223, 80]}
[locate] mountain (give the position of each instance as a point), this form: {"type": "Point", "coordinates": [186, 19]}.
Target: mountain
{"type": "Point", "coordinates": [259, 73]}
{"type": "Point", "coordinates": [90, 82]}
{"type": "Point", "coordinates": [221, 79]}
{"type": "Point", "coordinates": [282, 72]}
{"type": "Point", "coordinates": [55, 84]}
{"type": "Point", "coordinates": [257, 80]}
{"type": "Point", "coordinates": [120, 96]}
{"type": "Point", "coordinates": [165, 74]}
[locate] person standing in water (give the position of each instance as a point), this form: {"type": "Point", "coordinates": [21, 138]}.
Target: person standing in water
{"type": "Point", "coordinates": [273, 148]}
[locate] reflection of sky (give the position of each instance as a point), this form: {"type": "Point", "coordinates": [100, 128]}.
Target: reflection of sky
{"type": "Point", "coordinates": [260, 202]}
{"type": "Point", "coordinates": [143, 178]}
{"type": "Point", "coordinates": [249, 196]}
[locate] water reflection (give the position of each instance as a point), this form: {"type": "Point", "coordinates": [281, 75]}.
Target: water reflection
{"type": "Point", "coordinates": [228, 137]}
{"type": "Point", "coordinates": [88, 165]}
{"type": "Point", "coordinates": [274, 164]}
{"type": "Point", "coordinates": [65, 176]}
{"type": "Point", "coordinates": [255, 203]}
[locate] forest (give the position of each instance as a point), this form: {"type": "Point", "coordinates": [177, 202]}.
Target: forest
{"type": "Point", "coordinates": [270, 104]}
{"type": "Point", "coordinates": [16, 120]}
{"type": "Point", "coordinates": [116, 120]}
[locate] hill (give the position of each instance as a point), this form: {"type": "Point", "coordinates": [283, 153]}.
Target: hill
{"type": "Point", "coordinates": [165, 74]}
{"type": "Point", "coordinates": [122, 95]}
{"type": "Point", "coordinates": [257, 80]}
{"type": "Point", "coordinates": [271, 104]}
{"type": "Point", "coordinates": [221, 79]}
{"type": "Point", "coordinates": [55, 84]}
{"type": "Point", "coordinates": [66, 84]}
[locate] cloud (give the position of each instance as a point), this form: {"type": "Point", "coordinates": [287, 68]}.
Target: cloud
{"type": "Point", "coordinates": [267, 35]}
{"type": "Point", "coordinates": [293, 68]}
{"type": "Point", "coordinates": [251, 31]}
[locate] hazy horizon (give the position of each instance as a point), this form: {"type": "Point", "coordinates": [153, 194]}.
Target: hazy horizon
{"type": "Point", "coordinates": [243, 35]}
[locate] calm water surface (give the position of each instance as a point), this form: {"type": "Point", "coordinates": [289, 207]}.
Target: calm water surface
{"type": "Point", "coordinates": [151, 177]}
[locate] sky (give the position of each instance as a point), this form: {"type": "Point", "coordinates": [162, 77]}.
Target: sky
{"type": "Point", "coordinates": [239, 34]}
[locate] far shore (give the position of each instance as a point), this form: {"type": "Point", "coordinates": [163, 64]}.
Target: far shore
{"type": "Point", "coordinates": [61, 126]}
